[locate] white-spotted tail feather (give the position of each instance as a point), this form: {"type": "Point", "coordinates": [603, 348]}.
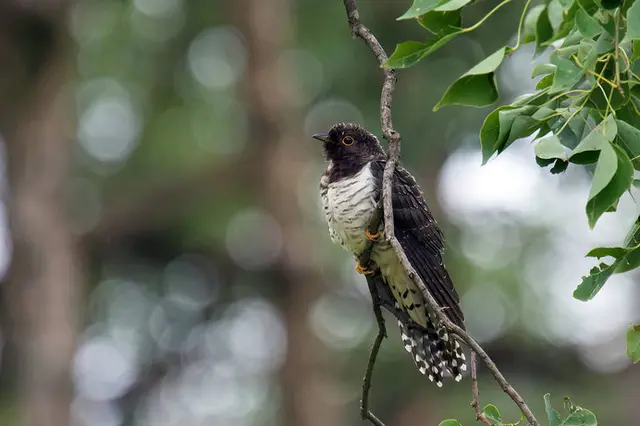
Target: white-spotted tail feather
{"type": "Point", "coordinates": [434, 352]}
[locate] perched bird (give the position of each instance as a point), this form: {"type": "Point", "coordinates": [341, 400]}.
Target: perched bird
{"type": "Point", "coordinates": [350, 189]}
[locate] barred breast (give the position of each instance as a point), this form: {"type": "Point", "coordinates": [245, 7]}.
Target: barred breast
{"type": "Point", "coordinates": [348, 206]}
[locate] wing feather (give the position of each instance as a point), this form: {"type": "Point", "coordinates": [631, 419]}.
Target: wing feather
{"type": "Point", "coordinates": [421, 239]}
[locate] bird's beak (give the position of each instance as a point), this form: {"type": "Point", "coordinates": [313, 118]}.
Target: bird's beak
{"type": "Point", "coordinates": [324, 137]}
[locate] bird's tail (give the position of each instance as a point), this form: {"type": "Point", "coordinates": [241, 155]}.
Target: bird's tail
{"type": "Point", "coordinates": [434, 352]}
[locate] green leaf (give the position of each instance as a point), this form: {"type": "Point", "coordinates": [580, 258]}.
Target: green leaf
{"type": "Point", "coordinates": [450, 422]}
{"type": "Point", "coordinates": [613, 176]}
{"type": "Point", "coordinates": [491, 413]}
{"type": "Point", "coordinates": [610, 4]}
{"type": "Point", "coordinates": [544, 30]}
{"type": "Point", "coordinates": [588, 26]}
{"type": "Point", "coordinates": [567, 51]}
{"type": "Point", "coordinates": [506, 124]}
{"type": "Point", "coordinates": [628, 113]}
{"type": "Point", "coordinates": [441, 23]}
{"type": "Point", "coordinates": [604, 132]}
{"type": "Point", "coordinates": [605, 169]}
{"type": "Point", "coordinates": [613, 99]}
{"type": "Point", "coordinates": [559, 167]}
{"type": "Point", "coordinates": [419, 7]}
{"type": "Point", "coordinates": [556, 9]}
{"type": "Point", "coordinates": [545, 82]}
{"type": "Point", "coordinates": [605, 44]}
{"type": "Point", "coordinates": [628, 137]}
{"type": "Point", "coordinates": [572, 40]}
{"type": "Point", "coordinates": [452, 5]}
{"type": "Point", "coordinates": [568, 23]}
{"type": "Point", "coordinates": [636, 50]}
{"type": "Point", "coordinates": [536, 98]}
{"type": "Point", "coordinates": [406, 54]}
{"type": "Point", "coordinates": [567, 74]}
{"type": "Point", "coordinates": [552, 415]}
{"type": "Point", "coordinates": [530, 23]}
{"type": "Point", "coordinates": [523, 126]}
{"type": "Point", "coordinates": [633, 342]}
{"type": "Point", "coordinates": [551, 148]}
{"type": "Point", "coordinates": [592, 283]}
{"type": "Point", "coordinates": [542, 68]}
{"type": "Point", "coordinates": [580, 417]}
{"type": "Point", "coordinates": [577, 126]}
{"type": "Point", "coordinates": [587, 54]}
{"type": "Point", "coordinates": [631, 260]}
{"type": "Point", "coordinates": [589, 6]}
{"type": "Point", "coordinates": [543, 162]}
{"type": "Point", "coordinates": [625, 7]}
{"type": "Point", "coordinates": [633, 22]}
{"type": "Point", "coordinates": [626, 259]}
{"type": "Point", "coordinates": [477, 87]}
{"type": "Point", "coordinates": [490, 131]}
{"type": "Point", "coordinates": [601, 252]}
{"type": "Point", "coordinates": [543, 114]}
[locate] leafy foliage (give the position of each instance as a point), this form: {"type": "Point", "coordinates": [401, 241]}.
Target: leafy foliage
{"type": "Point", "coordinates": [478, 86]}
{"type": "Point", "coordinates": [585, 110]}
{"type": "Point", "coordinates": [575, 415]}
{"type": "Point", "coordinates": [450, 422]}
{"type": "Point", "coordinates": [633, 342]}
{"type": "Point", "coordinates": [491, 413]}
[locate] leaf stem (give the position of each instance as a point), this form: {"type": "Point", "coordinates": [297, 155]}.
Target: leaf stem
{"type": "Point", "coordinates": [577, 111]}
{"type": "Point", "coordinates": [616, 49]}
{"type": "Point", "coordinates": [487, 16]}
{"type": "Point", "coordinates": [521, 23]}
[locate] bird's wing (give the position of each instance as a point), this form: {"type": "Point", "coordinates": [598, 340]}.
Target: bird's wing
{"type": "Point", "coordinates": [421, 239]}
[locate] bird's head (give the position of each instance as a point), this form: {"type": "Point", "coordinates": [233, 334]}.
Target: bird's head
{"type": "Point", "coordinates": [349, 142]}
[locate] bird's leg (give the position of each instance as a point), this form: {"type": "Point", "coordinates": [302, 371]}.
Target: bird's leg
{"type": "Point", "coordinates": [370, 236]}
{"type": "Point", "coordinates": [363, 269]}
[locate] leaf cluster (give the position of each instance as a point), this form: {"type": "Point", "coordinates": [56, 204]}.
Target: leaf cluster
{"type": "Point", "coordinates": [575, 415]}
{"type": "Point", "coordinates": [584, 111]}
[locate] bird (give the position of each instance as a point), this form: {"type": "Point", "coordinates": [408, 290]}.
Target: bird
{"type": "Point", "coordinates": [350, 191]}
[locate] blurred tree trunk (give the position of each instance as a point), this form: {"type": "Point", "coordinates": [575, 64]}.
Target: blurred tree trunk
{"type": "Point", "coordinates": [41, 293]}
{"type": "Point", "coordinates": [308, 377]}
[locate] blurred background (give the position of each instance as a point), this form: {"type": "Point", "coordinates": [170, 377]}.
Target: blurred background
{"type": "Point", "coordinates": [163, 253]}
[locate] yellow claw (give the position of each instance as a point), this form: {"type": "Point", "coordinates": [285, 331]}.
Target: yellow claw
{"type": "Point", "coordinates": [363, 270]}
{"type": "Point", "coordinates": [370, 236]}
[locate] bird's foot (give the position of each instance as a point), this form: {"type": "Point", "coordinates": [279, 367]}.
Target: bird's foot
{"type": "Point", "coordinates": [363, 269]}
{"type": "Point", "coordinates": [370, 236]}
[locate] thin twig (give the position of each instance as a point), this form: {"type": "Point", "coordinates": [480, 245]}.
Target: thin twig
{"type": "Point", "coordinates": [382, 333]}
{"type": "Point", "coordinates": [386, 97]}
{"type": "Point", "coordinates": [476, 393]}
{"type": "Point", "coordinates": [393, 137]}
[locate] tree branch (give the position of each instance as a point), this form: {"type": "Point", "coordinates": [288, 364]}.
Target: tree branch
{"type": "Point", "coordinates": [382, 333]}
{"type": "Point", "coordinates": [386, 97]}
{"type": "Point", "coordinates": [476, 393]}
{"type": "Point", "coordinates": [393, 137]}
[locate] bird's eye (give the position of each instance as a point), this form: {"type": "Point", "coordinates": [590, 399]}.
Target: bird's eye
{"type": "Point", "coordinates": [347, 140]}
